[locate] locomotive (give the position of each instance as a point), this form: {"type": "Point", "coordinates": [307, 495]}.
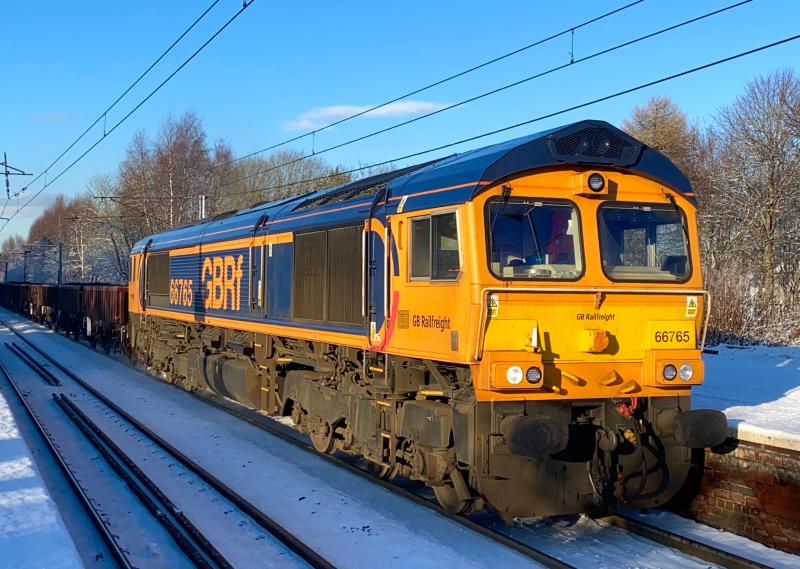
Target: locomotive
{"type": "Point", "coordinates": [518, 326]}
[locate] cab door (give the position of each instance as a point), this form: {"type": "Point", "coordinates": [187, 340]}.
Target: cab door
{"type": "Point", "coordinates": [377, 242]}
{"type": "Point", "coordinates": [257, 288]}
{"type": "Point", "coordinates": [431, 306]}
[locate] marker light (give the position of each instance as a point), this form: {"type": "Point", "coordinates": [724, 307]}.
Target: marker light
{"type": "Point", "coordinates": [514, 375]}
{"type": "Point", "coordinates": [603, 146]}
{"type": "Point", "coordinates": [596, 182]}
{"type": "Point", "coordinates": [685, 372]}
{"type": "Point", "coordinates": [670, 372]}
{"type": "Point", "coordinates": [533, 375]}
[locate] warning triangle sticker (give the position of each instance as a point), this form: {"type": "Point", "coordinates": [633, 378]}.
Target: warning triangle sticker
{"type": "Point", "coordinates": [691, 306]}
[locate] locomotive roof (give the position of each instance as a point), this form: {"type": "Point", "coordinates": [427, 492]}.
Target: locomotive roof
{"type": "Point", "coordinates": [446, 181]}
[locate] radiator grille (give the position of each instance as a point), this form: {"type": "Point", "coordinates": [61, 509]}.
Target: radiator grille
{"type": "Point", "coordinates": [309, 276]}
{"type": "Point", "coordinates": [344, 275]}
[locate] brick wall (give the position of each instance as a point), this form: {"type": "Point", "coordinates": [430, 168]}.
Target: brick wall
{"type": "Point", "coordinates": [752, 490]}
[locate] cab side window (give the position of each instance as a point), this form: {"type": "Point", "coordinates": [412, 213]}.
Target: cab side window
{"type": "Point", "coordinates": [421, 248]}
{"type": "Point", "coordinates": [434, 248]}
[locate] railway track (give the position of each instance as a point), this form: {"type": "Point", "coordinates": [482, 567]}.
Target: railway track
{"type": "Point", "coordinates": [689, 546]}
{"type": "Point", "coordinates": [716, 556]}
{"type": "Point", "coordinates": [86, 502]}
{"type": "Point", "coordinates": [198, 548]}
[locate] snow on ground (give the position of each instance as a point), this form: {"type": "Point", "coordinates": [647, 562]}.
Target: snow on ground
{"type": "Point", "coordinates": [758, 388]}
{"type": "Point", "coordinates": [238, 539]}
{"type": "Point", "coordinates": [355, 523]}
{"type": "Point", "coordinates": [348, 520]}
{"type": "Point", "coordinates": [587, 543]}
{"type": "Point", "coordinates": [726, 541]}
{"type": "Point", "coordinates": [146, 542]}
{"type": "Point", "coordinates": [29, 518]}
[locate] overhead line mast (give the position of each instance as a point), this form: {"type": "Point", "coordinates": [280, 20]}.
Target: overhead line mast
{"type": "Point", "coordinates": [9, 170]}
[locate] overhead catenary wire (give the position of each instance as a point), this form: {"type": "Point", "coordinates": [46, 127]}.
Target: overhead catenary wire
{"type": "Point", "coordinates": [104, 114]}
{"type": "Point", "coordinates": [491, 92]}
{"type": "Point", "coordinates": [245, 5]}
{"type": "Point", "coordinates": [571, 30]}
{"type": "Point", "coordinates": [532, 120]}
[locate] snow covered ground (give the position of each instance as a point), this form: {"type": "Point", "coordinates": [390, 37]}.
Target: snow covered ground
{"type": "Point", "coordinates": [727, 541]}
{"type": "Point", "coordinates": [355, 523]}
{"type": "Point", "coordinates": [29, 518]}
{"type": "Point", "coordinates": [348, 520]}
{"type": "Point", "coordinates": [758, 388]}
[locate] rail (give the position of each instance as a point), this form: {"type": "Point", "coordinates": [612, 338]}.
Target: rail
{"type": "Point", "coordinates": [88, 505]}
{"type": "Point", "coordinates": [34, 365]}
{"type": "Point", "coordinates": [650, 532]}
{"type": "Point", "coordinates": [292, 542]}
{"type": "Point", "coordinates": [185, 534]}
{"type": "Point", "coordinates": [683, 543]}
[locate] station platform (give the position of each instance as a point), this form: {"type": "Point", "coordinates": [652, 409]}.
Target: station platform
{"type": "Point", "coordinates": [32, 532]}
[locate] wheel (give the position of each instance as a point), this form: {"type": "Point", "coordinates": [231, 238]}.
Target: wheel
{"type": "Point", "coordinates": [379, 470]}
{"type": "Point", "coordinates": [322, 438]}
{"type": "Point", "coordinates": [454, 496]}
{"type": "Point", "coordinates": [448, 499]}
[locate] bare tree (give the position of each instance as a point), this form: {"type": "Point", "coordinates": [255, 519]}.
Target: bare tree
{"type": "Point", "coordinates": [181, 168]}
{"type": "Point", "coordinates": [10, 250]}
{"type": "Point", "coordinates": [662, 125]}
{"type": "Point", "coordinates": [758, 182]}
{"type": "Point", "coordinates": [160, 183]}
{"type": "Point", "coordinates": [279, 175]}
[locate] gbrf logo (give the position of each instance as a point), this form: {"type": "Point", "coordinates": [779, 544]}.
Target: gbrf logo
{"type": "Point", "coordinates": [223, 279]}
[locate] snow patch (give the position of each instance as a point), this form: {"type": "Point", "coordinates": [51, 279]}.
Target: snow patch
{"type": "Point", "coordinates": [32, 534]}
{"type": "Point", "coordinates": [757, 389]}
{"type": "Point", "coordinates": [23, 511]}
{"type": "Point", "coordinates": [720, 539]}
{"type": "Point", "coordinates": [16, 469]}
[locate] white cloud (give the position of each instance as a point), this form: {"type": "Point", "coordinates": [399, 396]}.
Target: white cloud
{"type": "Point", "coordinates": [321, 116]}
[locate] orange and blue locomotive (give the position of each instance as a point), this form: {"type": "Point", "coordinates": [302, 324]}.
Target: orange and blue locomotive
{"type": "Point", "coordinates": [518, 326]}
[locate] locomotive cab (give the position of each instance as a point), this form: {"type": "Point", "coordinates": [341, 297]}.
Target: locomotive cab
{"type": "Point", "coordinates": [589, 342]}
{"type": "Point", "coordinates": [583, 335]}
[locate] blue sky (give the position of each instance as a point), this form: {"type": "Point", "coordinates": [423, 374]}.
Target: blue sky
{"type": "Point", "coordinates": [283, 65]}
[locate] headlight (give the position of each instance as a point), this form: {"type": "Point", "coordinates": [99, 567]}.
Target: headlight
{"type": "Point", "coordinates": [533, 375]}
{"type": "Point", "coordinates": [514, 375]}
{"type": "Point", "coordinates": [669, 372]}
{"type": "Point", "coordinates": [596, 182]}
{"type": "Point", "coordinates": [685, 372]}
